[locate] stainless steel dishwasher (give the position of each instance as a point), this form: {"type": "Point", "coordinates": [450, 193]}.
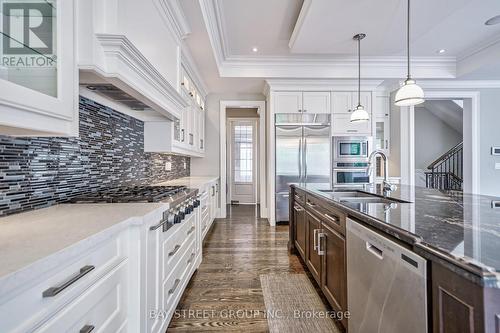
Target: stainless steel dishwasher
{"type": "Point", "coordinates": [386, 284]}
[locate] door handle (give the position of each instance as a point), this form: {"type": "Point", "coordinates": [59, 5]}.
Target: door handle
{"type": "Point", "coordinates": [300, 159]}
{"type": "Point", "coordinates": [374, 250]}
{"type": "Point", "coordinates": [190, 231]}
{"type": "Point", "coordinates": [386, 143]}
{"type": "Point", "coordinates": [321, 235]}
{"type": "Point", "coordinates": [315, 243]}
{"type": "Point", "coordinates": [305, 160]}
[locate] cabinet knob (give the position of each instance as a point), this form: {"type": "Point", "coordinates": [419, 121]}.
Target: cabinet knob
{"type": "Point", "coordinates": [300, 110]}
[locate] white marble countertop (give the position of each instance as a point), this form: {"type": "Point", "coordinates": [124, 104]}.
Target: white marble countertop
{"type": "Point", "coordinates": [26, 238]}
{"type": "Point", "coordinates": [190, 182]}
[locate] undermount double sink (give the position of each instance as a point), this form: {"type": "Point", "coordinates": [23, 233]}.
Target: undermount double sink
{"type": "Point", "coordinates": [359, 197]}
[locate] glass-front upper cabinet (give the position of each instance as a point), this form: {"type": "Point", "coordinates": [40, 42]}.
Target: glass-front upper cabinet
{"type": "Point", "coordinates": [382, 124]}
{"type": "Point", "coordinates": [38, 75]}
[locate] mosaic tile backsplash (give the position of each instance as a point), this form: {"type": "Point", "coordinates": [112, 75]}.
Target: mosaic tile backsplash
{"type": "Point", "coordinates": [40, 172]}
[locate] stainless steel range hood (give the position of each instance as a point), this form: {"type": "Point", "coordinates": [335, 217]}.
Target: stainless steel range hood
{"type": "Point", "coordinates": [114, 93]}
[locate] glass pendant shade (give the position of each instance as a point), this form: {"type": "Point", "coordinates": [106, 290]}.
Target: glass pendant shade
{"type": "Point", "coordinates": [409, 94]}
{"type": "Point", "coordinates": [359, 114]}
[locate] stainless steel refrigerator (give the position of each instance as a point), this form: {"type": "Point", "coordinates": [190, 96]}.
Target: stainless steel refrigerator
{"type": "Point", "coordinates": [303, 155]}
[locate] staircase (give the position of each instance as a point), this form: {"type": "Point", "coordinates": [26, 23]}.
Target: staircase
{"type": "Point", "coordinates": [446, 172]}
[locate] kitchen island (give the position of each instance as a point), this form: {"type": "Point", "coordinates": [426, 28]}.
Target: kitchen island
{"type": "Point", "coordinates": [458, 234]}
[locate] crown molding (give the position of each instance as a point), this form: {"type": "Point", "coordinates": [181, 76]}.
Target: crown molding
{"type": "Point", "coordinates": [128, 68]}
{"type": "Point", "coordinates": [321, 67]}
{"type": "Point", "coordinates": [300, 21]}
{"type": "Point", "coordinates": [213, 26]}
{"type": "Point", "coordinates": [478, 48]}
{"type": "Point", "coordinates": [173, 15]}
{"type": "Point", "coordinates": [337, 68]}
{"type": "Point", "coordinates": [323, 85]}
{"type": "Point", "coordinates": [459, 84]}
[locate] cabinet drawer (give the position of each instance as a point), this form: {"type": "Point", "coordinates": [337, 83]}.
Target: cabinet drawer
{"type": "Point", "coordinates": [174, 284]}
{"type": "Point", "coordinates": [342, 126]}
{"type": "Point", "coordinates": [102, 306]}
{"type": "Point", "coordinates": [300, 196]}
{"type": "Point", "coordinates": [327, 214]}
{"type": "Point", "coordinates": [52, 291]}
{"type": "Point", "coordinates": [178, 243]}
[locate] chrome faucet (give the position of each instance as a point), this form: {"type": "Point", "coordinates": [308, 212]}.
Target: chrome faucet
{"type": "Point", "coordinates": [388, 187]}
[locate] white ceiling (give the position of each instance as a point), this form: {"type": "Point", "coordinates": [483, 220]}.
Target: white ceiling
{"type": "Point", "coordinates": [225, 31]}
{"type": "Point", "coordinates": [453, 25]}
{"type": "Point", "coordinates": [265, 24]}
{"type": "Point", "coordinates": [201, 50]}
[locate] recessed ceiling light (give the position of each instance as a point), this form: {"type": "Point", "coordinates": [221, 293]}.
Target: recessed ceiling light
{"type": "Point", "coordinates": [494, 20]}
{"type": "Point", "coordinates": [441, 51]}
{"type": "Point", "coordinates": [254, 49]}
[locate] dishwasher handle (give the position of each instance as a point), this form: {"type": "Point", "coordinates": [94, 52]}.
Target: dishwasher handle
{"type": "Point", "coordinates": [374, 250]}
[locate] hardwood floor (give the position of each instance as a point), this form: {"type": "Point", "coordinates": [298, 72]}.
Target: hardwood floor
{"type": "Point", "coordinates": [237, 250]}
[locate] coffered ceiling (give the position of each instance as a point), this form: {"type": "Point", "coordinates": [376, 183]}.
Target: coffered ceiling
{"type": "Point", "coordinates": [313, 38]}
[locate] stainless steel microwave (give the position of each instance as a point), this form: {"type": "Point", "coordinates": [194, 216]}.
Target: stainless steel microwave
{"type": "Point", "coordinates": [351, 148]}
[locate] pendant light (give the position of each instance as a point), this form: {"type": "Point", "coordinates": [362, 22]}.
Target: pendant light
{"type": "Point", "coordinates": [359, 114]}
{"type": "Point", "coordinates": [410, 93]}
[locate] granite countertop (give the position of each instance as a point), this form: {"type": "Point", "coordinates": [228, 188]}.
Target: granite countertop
{"type": "Point", "coordinates": [447, 226]}
{"type": "Point", "coordinates": [190, 182]}
{"type": "Point", "coordinates": [27, 238]}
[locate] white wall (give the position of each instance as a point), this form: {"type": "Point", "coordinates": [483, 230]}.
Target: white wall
{"type": "Point", "coordinates": [489, 135]}
{"type": "Point", "coordinates": [210, 164]}
{"type": "Point", "coordinates": [433, 137]}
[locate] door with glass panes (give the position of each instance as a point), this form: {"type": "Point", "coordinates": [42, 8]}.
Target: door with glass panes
{"type": "Point", "coordinates": [242, 161]}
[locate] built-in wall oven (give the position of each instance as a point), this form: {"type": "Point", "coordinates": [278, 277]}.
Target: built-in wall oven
{"type": "Point", "coordinates": [350, 161]}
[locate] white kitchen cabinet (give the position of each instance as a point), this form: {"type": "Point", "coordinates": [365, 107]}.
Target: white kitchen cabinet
{"type": "Point", "coordinates": [299, 102]}
{"type": "Point", "coordinates": [345, 101]}
{"type": "Point", "coordinates": [287, 102]}
{"type": "Point", "coordinates": [316, 102]}
{"type": "Point", "coordinates": [103, 307]}
{"type": "Point", "coordinates": [342, 126]}
{"type": "Point", "coordinates": [39, 89]}
{"type": "Point", "coordinates": [74, 291]}
{"type": "Point", "coordinates": [382, 124]}
{"type": "Point", "coordinates": [343, 104]}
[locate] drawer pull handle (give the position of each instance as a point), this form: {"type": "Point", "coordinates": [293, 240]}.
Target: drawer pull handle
{"type": "Point", "coordinates": [174, 251]}
{"type": "Point", "coordinates": [190, 231]}
{"type": "Point", "coordinates": [311, 204]}
{"type": "Point", "coordinates": [176, 283]}
{"type": "Point", "coordinates": [298, 209]}
{"type": "Point", "coordinates": [297, 197]}
{"type": "Point", "coordinates": [190, 258]}
{"type": "Point", "coordinates": [332, 218]}
{"type": "Point", "coordinates": [53, 291]}
{"type": "Point", "coordinates": [87, 329]}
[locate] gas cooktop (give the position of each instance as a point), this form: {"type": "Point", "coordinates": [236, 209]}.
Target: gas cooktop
{"type": "Point", "coordinates": [133, 194]}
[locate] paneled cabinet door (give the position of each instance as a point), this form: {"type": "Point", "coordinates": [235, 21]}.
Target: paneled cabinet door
{"type": "Point", "coordinates": [287, 102]}
{"type": "Point", "coordinates": [299, 218]}
{"type": "Point", "coordinates": [38, 77]}
{"type": "Point", "coordinates": [333, 277]}
{"type": "Point", "coordinates": [342, 102]}
{"type": "Point", "coordinates": [316, 102]}
{"type": "Point", "coordinates": [313, 259]}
